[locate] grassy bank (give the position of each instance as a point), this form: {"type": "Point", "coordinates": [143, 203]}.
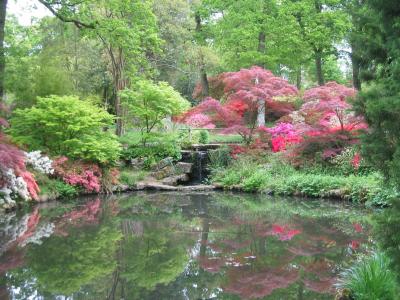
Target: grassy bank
{"type": "Point", "coordinates": [274, 176]}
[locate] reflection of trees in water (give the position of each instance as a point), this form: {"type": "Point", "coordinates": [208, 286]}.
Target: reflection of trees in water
{"type": "Point", "coordinates": [262, 255]}
{"type": "Point", "coordinates": [145, 248]}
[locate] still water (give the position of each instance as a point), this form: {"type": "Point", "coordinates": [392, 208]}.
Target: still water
{"type": "Point", "coordinates": [179, 246]}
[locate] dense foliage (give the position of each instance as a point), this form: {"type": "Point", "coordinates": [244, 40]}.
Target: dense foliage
{"type": "Point", "coordinates": [308, 90]}
{"type": "Point", "coordinates": [371, 278]}
{"type": "Point", "coordinates": [66, 126]}
{"type": "Point", "coordinates": [149, 103]}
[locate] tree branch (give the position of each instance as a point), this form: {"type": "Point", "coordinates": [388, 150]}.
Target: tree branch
{"type": "Point", "coordinates": [65, 19]}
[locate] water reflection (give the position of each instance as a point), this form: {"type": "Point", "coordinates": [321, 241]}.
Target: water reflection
{"type": "Point", "coordinates": [179, 246]}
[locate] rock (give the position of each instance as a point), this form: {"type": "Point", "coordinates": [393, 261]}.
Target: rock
{"type": "Point", "coordinates": [338, 193]}
{"type": "Point", "coordinates": [137, 163]}
{"type": "Point", "coordinates": [120, 188]}
{"type": "Point", "coordinates": [163, 187]}
{"type": "Point", "coordinates": [174, 180]}
{"type": "Point", "coordinates": [165, 172]}
{"type": "Point", "coordinates": [184, 168]}
{"type": "Point", "coordinates": [163, 164]}
{"type": "Point", "coordinates": [343, 294]}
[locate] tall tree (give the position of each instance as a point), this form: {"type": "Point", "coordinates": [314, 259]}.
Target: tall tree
{"type": "Point", "coordinates": [380, 100]}
{"type": "Point", "coordinates": [201, 40]}
{"type": "Point", "coordinates": [3, 12]}
{"type": "Point", "coordinates": [127, 29]}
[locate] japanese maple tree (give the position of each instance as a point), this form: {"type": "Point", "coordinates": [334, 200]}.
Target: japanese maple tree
{"type": "Point", "coordinates": [325, 121]}
{"type": "Point", "coordinates": [246, 94]}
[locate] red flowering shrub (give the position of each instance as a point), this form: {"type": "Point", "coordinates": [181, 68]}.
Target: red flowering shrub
{"type": "Point", "coordinates": [78, 173]}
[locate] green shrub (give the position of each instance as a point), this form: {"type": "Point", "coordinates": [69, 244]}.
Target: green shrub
{"type": "Point", "coordinates": [66, 126]}
{"type": "Point", "coordinates": [204, 137]}
{"type": "Point", "coordinates": [256, 180]}
{"type": "Point", "coordinates": [188, 137]}
{"type": "Point", "coordinates": [153, 153]}
{"type": "Point", "coordinates": [370, 279]}
{"type": "Point", "coordinates": [65, 190]}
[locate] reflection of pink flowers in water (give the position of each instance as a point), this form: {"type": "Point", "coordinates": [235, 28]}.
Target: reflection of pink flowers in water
{"type": "Point", "coordinates": [88, 214]}
{"type": "Point", "coordinates": [357, 227]}
{"type": "Point", "coordinates": [284, 233]}
{"type": "Point", "coordinates": [354, 245]}
{"type": "Point", "coordinates": [31, 225]}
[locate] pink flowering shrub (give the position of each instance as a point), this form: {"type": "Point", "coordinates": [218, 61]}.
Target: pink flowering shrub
{"type": "Point", "coordinates": [78, 173]}
{"type": "Point", "coordinates": [356, 161]}
{"type": "Point", "coordinates": [200, 120]}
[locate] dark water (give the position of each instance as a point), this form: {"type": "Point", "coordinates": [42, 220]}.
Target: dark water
{"type": "Point", "coordinates": [179, 246]}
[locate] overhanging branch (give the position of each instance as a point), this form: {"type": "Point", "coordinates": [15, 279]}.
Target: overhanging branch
{"type": "Point", "coordinates": [65, 19]}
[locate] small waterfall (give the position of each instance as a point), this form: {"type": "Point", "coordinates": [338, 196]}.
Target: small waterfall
{"type": "Point", "coordinates": [199, 159]}
{"type": "Point", "coordinates": [200, 164]}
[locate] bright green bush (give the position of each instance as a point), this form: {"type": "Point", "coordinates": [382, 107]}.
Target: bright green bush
{"type": "Point", "coordinates": [204, 137]}
{"type": "Point", "coordinates": [148, 103]}
{"type": "Point", "coordinates": [65, 190]}
{"type": "Point", "coordinates": [371, 279]}
{"type": "Point", "coordinates": [66, 126]}
{"type": "Point", "coordinates": [256, 180]}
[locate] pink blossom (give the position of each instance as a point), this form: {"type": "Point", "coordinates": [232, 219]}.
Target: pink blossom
{"type": "Point", "coordinates": [356, 161]}
{"type": "Point", "coordinates": [200, 120]}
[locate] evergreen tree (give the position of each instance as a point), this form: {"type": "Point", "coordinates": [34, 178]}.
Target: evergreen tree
{"type": "Point", "coordinates": [381, 100]}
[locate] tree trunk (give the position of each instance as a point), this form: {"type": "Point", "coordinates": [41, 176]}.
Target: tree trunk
{"type": "Point", "coordinates": [318, 67]}
{"type": "Point", "coordinates": [298, 78]}
{"type": "Point", "coordinates": [260, 109]}
{"type": "Point", "coordinates": [205, 87]}
{"type": "Point", "coordinates": [261, 113]}
{"type": "Point", "coordinates": [261, 47]}
{"type": "Point", "coordinates": [3, 11]}
{"type": "Point", "coordinates": [356, 68]}
{"type": "Point", "coordinates": [120, 83]}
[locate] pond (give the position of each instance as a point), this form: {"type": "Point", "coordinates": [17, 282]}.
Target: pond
{"type": "Point", "coordinates": [179, 246]}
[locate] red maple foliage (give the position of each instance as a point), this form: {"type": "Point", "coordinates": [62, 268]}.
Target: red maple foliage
{"type": "Point", "coordinates": [246, 88]}
{"type": "Point", "coordinates": [243, 93]}
{"type": "Point", "coordinates": [325, 122]}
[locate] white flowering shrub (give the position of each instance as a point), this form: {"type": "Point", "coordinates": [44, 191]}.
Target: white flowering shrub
{"type": "Point", "coordinates": [39, 162]}
{"type": "Point", "coordinates": [14, 187]}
